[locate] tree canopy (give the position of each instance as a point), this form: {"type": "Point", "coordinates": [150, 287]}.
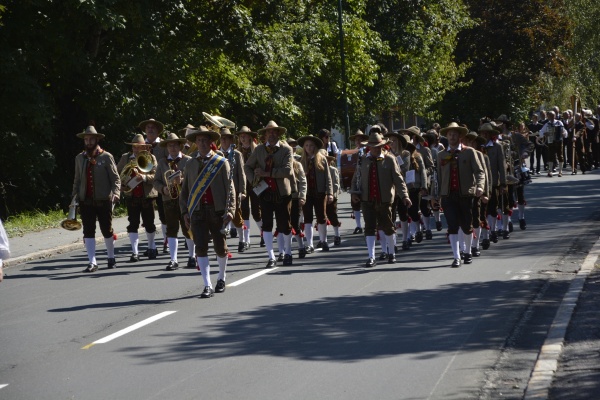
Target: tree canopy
{"type": "Point", "coordinates": [113, 63]}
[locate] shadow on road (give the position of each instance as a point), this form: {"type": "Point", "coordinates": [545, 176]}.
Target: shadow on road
{"type": "Point", "coordinates": [422, 323]}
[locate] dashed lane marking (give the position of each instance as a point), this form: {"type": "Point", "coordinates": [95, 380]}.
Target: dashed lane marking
{"type": "Point", "coordinates": [129, 329]}
{"type": "Point", "coordinates": [248, 278]}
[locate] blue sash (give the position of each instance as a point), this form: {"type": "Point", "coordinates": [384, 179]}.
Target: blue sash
{"type": "Point", "coordinates": [204, 180]}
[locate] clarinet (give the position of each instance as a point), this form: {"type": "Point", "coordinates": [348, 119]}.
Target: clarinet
{"type": "Point", "coordinates": [230, 199]}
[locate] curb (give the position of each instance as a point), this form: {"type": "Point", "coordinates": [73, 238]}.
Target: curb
{"type": "Point", "coordinates": [11, 262]}
{"type": "Point", "coordinates": [545, 367]}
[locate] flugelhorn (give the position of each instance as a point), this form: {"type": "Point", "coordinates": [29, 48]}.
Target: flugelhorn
{"type": "Point", "coordinates": [143, 163]}
{"type": "Point", "coordinates": [71, 223]}
{"type": "Point", "coordinates": [174, 188]}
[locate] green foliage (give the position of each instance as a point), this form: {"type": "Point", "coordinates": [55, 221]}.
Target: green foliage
{"type": "Point", "coordinates": [513, 46]}
{"type": "Point", "coordinates": [114, 63]}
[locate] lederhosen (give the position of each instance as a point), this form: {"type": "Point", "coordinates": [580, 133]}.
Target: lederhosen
{"type": "Point", "coordinates": [252, 202]}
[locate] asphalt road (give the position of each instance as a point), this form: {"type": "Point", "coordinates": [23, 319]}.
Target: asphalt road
{"type": "Point", "coordinates": [324, 328]}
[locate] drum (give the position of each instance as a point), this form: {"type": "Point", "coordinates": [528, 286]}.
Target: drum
{"type": "Point", "coordinates": [348, 160]}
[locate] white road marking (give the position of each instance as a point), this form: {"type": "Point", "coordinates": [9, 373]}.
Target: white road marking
{"type": "Point", "coordinates": [130, 329]}
{"type": "Point", "coordinates": [248, 278]}
{"type": "Point", "coordinates": [3, 385]}
{"type": "Point", "coordinates": [519, 278]}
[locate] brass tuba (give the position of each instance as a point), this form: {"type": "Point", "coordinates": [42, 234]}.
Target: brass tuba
{"type": "Point", "coordinates": [71, 223]}
{"type": "Point", "coordinates": [142, 164]}
{"type": "Point", "coordinates": [218, 122]}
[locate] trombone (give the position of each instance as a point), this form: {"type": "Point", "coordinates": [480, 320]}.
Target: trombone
{"type": "Point", "coordinates": [143, 163]}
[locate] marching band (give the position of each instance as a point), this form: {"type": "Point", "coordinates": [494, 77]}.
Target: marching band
{"type": "Point", "coordinates": [208, 181]}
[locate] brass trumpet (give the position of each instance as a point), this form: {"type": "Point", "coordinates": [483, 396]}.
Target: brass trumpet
{"type": "Point", "coordinates": [142, 163]}
{"type": "Point", "coordinates": [71, 223]}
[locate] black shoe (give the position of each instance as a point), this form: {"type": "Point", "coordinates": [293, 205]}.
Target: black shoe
{"type": "Point", "coordinates": [510, 226]}
{"type": "Point", "coordinates": [301, 252]}
{"type": "Point", "coordinates": [522, 224]}
{"type": "Point", "coordinates": [337, 241]}
{"type": "Point", "coordinates": [232, 234]}
{"type": "Point", "coordinates": [287, 259]}
{"type": "Point", "coordinates": [505, 235]}
{"type": "Point", "coordinates": [262, 242]}
{"type": "Point", "coordinates": [241, 247]}
{"type": "Point", "coordinates": [280, 257]}
{"type": "Point", "coordinates": [246, 245]}
{"type": "Point", "coordinates": [405, 245]}
{"type": "Point", "coordinates": [419, 237]}
{"type": "Point", "coordinates": [207, 293]}
{"type": "Point", "coordinates": [145, 253]}
{"type": "Point", "coordinates": [370, 263]}
{"type": "Point", "coordinates": [310, 249]}
{"type": "Point", "coordinates": [172, 266]}
{"type": "Point", "coordinates": [455, 263]}
{"type": "Point", "coordinates": [152, 254]}
{"type": "Point", "coordinates": [428, 234]}
{"type": "Point", "coordinates": [485, 244]}
{"type": "Point", "coordinates": [320, 245]}
{"type": "Point", "coordinates": [271, 263]}
{"type": "Point", "coordinates": [475, 252]}
{"type": "Point", "coordinates": [191, 263]}
{"type": "Point", "coordinates": [438, 225]}
{"type": "Point", "coordinates": [411, 239]}
{"type": "Point", "coordinates": [383, 256]}
{"type": "Point", "coordinates": [134, 258]}
{"type": "Point", "coordinates": [357, 230]}
{"type": "Point", "coordinates": [391, 258]}
{"type": "Point", "coordinates": [468, 259]}
{"type": "Point", "coordinates": [324, 246]}
{"type": "Point", "coordinates": [220, 287]}
{"type": "Point", "coordinates": [112, 263]}
{"type": "Point", "coordinates": [462, 255]}
{"type": "Point", "coordinates": [494, 237]}
{"type": "Point", "coordinates": [91, 268]}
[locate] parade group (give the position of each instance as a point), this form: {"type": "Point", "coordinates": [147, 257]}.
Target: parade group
{"type": "Point", "coordinates": [210, 182]}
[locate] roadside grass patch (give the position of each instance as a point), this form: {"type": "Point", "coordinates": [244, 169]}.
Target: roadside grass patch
{"type": "Point", "coordinates": [36, 220]}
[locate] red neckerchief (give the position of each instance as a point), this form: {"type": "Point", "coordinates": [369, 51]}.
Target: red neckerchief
{"type": "Point", "coordinates": [92, 159]}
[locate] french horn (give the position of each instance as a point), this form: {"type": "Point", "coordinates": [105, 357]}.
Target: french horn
{"type": "Point", "coordinates": [71, 223]}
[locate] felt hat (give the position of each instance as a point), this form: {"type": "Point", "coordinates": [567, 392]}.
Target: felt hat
{"type": "Point", "coordinates": [161, 126]}
{"type": "Point", "coordinates": [404, 139]}
{"type": "Point", "coordinates": [90, 131]}
{"type": "Point", "coordinates": [360, 135]}
{"type": "Point", "coordinates": [411, 131]}
{"type": "Point", "coordinates": [171, 137]}
{"type": "Point", "coordinates": [273, 125]}
{"type": "Point", "coordinates": [183, 131]}
{"type": "Point", "coordinates": [318, 142]}
{"type": "Point", "coordinates": [138, 139]}
{"type": "Point", "coordinates": [247, 131]}
{"type": "Point", "coordinates": [204, 131]}
{"type": "Point", "coordinates": [454, 126]}
{"type": "Point", "coordinates": [376, 139]}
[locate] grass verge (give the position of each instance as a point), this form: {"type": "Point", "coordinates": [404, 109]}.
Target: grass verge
{"type": "Point", "coordinates": [34, 221]}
